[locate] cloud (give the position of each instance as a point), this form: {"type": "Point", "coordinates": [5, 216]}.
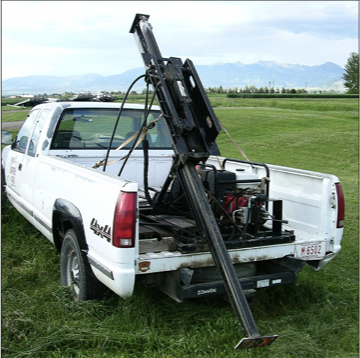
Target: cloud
{"type": "Point", "coordinates": [302, 31]}
{"type": "Point", "coordinates": [329, 20]}
{"type": "Point", "coordinates": [44, 37]}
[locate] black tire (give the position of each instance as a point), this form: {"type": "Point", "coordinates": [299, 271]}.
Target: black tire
{"type": "Point", "coordinates": [4, 198]}
{"type": "Point", "coordinates": [3, 181]}
{"type": "Point", "coordinates": [75, 273]}
{"type": "Point", "coordinates": [209, 274]}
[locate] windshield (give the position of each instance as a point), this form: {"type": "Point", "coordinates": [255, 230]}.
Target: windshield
{"type": "Point", "coordinates": [91, 128]}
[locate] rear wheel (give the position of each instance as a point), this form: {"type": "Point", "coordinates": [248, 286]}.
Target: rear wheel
{"type": "Point", "coordinates": [74, 273]}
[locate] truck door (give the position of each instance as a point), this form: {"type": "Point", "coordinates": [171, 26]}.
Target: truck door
{"type": "Point", "coordinates": [22, 162]}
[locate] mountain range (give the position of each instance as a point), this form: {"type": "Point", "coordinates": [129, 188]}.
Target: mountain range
{"type": "Point", "coordinates": [228, 75]}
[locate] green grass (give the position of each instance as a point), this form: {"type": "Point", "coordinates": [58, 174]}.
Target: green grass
{"type": "Point", "coordinates": [8, 109]}
{"type": "Point", "coordinates": [5, 101]}
{"type": "Point", "coordinates": [313, 140]}
{"type": "Point", "coordinates": [14, 116]}
{"type": "Point", "coordinates": [317, 319]}
{"type": "Point", "coordinates": [298, 104]}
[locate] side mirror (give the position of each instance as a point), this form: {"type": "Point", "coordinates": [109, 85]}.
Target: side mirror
{"type": "Point", "coordinates": [6, 137]}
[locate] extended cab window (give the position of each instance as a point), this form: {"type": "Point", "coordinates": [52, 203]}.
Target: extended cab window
{"type": "Point", "coordinates": [37, 131]}
{"type": "Point", "coordinates": [22, 139]}
{"type": "Point", "coordinates": [91, 128]}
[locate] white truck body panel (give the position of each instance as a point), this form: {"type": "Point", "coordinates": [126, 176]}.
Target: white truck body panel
{"type": "Point", "coordinates": [35, 183]}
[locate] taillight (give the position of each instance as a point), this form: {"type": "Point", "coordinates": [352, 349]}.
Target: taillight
{"type": "Point", "coordinates": [125, 220]}
{"type": "Point", "coordinates": [340, 206]}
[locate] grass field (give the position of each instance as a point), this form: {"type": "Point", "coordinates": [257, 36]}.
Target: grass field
{"type": "Point", "coordinates": [317, 319]}
{"type": "Point", "coordinates": [14, 116]}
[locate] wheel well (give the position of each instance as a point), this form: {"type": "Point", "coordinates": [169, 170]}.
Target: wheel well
{"type": "Point", "coordinates": [61, 224]}
{"type": "Point", "coordinates": [66, 216]}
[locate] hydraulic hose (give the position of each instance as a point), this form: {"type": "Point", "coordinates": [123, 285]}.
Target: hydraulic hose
{"type": "Point", "coordinates": [118, 118]}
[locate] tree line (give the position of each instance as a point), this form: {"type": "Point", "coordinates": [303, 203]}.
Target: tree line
{"type": "Point", "coordinates": [252, 89]}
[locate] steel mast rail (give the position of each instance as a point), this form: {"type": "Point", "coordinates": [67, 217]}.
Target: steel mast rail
{"type": "Point", "coordinates": [194, 127]}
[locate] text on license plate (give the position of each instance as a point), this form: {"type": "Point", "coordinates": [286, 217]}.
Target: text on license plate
{"type": "Point", "coordinates": [314, 250]}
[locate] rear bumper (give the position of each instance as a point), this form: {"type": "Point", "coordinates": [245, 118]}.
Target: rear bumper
{"type": "Point", "coordinates": [173, 288]}
{"type": "Point", "coordinates": [170, 261]}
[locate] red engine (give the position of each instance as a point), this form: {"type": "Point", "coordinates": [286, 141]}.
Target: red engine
{"type": "Point", "coordinates": [233, 202]}
{"type": "Point", "coordinates": [241, 201]}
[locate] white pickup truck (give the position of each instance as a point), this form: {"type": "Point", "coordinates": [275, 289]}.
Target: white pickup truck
{"type": "Point", "coordinates": [126, 193]}
{"type": "Point", "coordinates": [108, 234]}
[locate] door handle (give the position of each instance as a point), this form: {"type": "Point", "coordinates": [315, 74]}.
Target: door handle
{"type": "Point", "coordinates": [20, 167]}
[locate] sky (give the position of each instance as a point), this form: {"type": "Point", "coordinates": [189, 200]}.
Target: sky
{"type": "Point", "coordinates": [66, 38]}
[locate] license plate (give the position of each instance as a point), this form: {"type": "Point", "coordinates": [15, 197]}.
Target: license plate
{"type": "Point", "coordinates": [311, 251]}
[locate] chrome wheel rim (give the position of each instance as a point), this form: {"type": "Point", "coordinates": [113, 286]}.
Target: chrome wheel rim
{"type": "Point", "coordinates": [73, 273]}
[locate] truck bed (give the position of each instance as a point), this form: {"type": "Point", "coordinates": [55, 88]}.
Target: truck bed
{"type": "Point", "coordinates": [304, 207]}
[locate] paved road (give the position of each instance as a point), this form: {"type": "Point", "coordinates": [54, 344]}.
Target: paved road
{"type": "Point", "coordinates": [9, 126]}
{"type": "Point", "coordinates": [16, 110]}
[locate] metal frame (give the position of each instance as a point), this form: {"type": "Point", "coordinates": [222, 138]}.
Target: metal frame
{"type": "Point", "coordinates": [194, 128]}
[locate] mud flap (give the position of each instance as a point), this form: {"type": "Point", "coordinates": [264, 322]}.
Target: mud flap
{"type": "Point", "coordinates": [253, 342]}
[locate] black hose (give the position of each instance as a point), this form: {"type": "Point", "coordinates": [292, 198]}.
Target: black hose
{"type": "Point", "coordinates": [223, 210]}
{"type": "Point", "coordinates": [146, 158]}
{"type": "Point", "coordinates": [146, 114]}
{"type": "Point", "coordinates": [235, 197]}
{"type": "Point", "coordinates": [118, 118]}
{"type": "Point", "coordinates": [146, 170]}
{"type": "Point", "coordinates": [135, 140]}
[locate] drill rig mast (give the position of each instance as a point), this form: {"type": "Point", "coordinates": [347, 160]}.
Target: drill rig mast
{"type": "Point", "coordinates": [194, 127]}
